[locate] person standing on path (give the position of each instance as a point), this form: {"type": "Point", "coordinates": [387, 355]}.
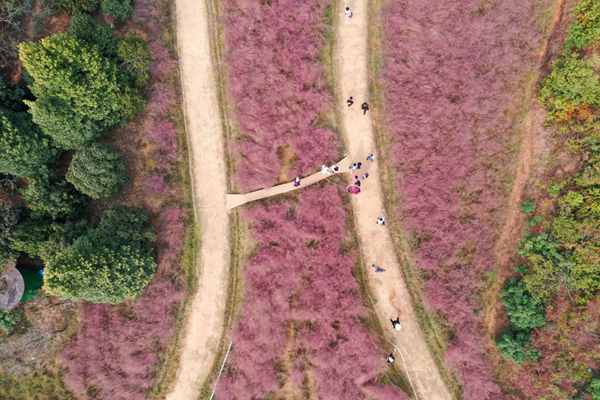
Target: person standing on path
{"type": "Point", "coordinates": [350, 101]}
{"type": "Point", "coordinates": [365, 107]}
{"type": "Point", "coordinates": [381, 220]}
{"type": "Point", "coordinates": [377, 268]}
{"type": "Point", "coordinates": [348, 12]}
{"type": "Point", "coordinates": [396, 323]}
{"type": "Point", "coordinates": [371, 157]}
{"type": "Point", "coordinates": [297, 181]}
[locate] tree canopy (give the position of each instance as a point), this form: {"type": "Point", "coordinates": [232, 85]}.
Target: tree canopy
{"type": "Point", "coordinates": [110, 263]}
{"type": "Point", "coordinates": [79, 92]}
{"type": "Point", "coordinates": [24, 151]}
{"type": "Point", "coordinates": [97, 171]}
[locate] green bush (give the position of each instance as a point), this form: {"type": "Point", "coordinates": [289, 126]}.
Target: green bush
{"type": "Point", "coordinates": [75, 6]}
{"type": "Point", "coordinates": [528, 206]}
{"type": "Point", "coordinates": [88, 29]}
{"type": "Point", "coordinates": [593, 389]}
{"type": "Point", "coordinates": [525, 312]}
{"type": "Point", "coordinates": [571, 88]}
{"type": "Point", "coordinates": [53, 197]}
{"type": "Point", "coordinates": [111, 263]}
{"type": "Point", "coordinates": [135, 58]}
{"type": "Point", "coordinates": [35, 236]}
{"type": "Point", "coordinates": [10, 320]}
{"type": "Point", "coordinates": [97, 171]}
{"type": "Point", "coordinates": [9, 219]}
{"type": "Point", "coordinates": [586, 27]}
{"type": "Point", "coordinates": [516, 345]}
{"type": "Point", "coordinates": [24, 151]}
{"type": "Point", "coordinates": [79, 92]}
{"type": "Point", "coordinates": [120, 10]}
{"type": "Point", "coordinates": [11, 97]}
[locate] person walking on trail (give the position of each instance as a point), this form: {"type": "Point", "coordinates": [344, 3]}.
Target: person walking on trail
{"type": "Point", "coordinates": [377, 268]}
{"type": "Point", "coordinates": [381, 220]}
{"type": "Point", "coordinates": [364, 176]}
{"type": "Point", "coordinates": [396, 323]}
{"type": "Point", "coordinates": [390, 359]}
{"type": "Point", "coordinates": [348, 12]}
{"type": "Point", "coordinates": [365, 107]}
{"type": "Point", "coordinates": [297, 181]}
{"type": "Point", "coordinates": [335, 169]}
{"type": "Point", "coordinates": [325, 170]}
{"type": "Point", "coordinates": [371, 157]}
{"type": "Point", "coordinates": [350, 101]}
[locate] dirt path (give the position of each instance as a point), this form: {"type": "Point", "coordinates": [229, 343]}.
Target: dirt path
{"type": "Point", "coordinates": [204, 326]}
{"type": "Point", "coordinates": [236, 200]}
{"type": "Point", "coordinates": [389, 289]}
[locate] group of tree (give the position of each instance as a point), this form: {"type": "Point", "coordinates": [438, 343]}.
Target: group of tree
{"type": "Point", "coordinates": [561, 251]}
{"type": "Point", "coordinates": [81, 84]}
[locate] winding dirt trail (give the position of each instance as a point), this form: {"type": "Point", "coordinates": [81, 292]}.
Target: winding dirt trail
{"type": "Point", "coordinates": [389, 289]}
{"type": "Point", "coordinates": [205, 321]}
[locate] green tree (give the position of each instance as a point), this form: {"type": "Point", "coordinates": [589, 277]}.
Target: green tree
{"type": "Point", "coordinates": [109, 264]}
{"type": "Point", "coordinates": [52, 196]}
{"type": "Point", "coordinates": [9, 218]}
{"type": "Point", "coordinates": [586, 26]}
{"type": "Point", "coordinates": [135, 58]}
{"type": "Point", "coordinates": [87, 28]}
{"type": "Point", "coordinates": [24, 151]}
{"type": "Point", "coordinates": [120, 10]}
{"type": "Point", "coordinates": [97, 171]}
{"type": "Point", "coordinates": [79, 92]}
{"type": "Point", "coordinates": [524, 312]}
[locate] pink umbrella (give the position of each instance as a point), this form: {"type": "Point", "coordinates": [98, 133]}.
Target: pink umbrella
{"type": "Point", "coordinates": [353, 189]}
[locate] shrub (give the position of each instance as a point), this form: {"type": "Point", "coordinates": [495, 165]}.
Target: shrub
{"type": "Point", "coordinates": [586, 27]}
{"type": "Point", "coordinates": [594, 389]}
{"type": "Point", "coordinates": [75, 6]}
{"type": "Point", "coordinates": [135, 58]}
{"type": "Point", "coordinates": [516, 345]}
{"type": "Point", "coordinates": [119, 9]}
{"type": "Point", "coordinates": [88, 29]}
{"type": "Point", "coordinates": [24, 151]}
{"type": "Point", "coordinates": [11, 97]}
{"type": "Point", "coordinates": [524, 312]}
{"type": "Point", "coordinates": [9, 218]}
{"type": "Point", "coordinates": [571, 87]}
{"type": "Point", "coordinates": [52, 196]}
{"type": "Point", "coordinates": [10, 320]}
{"type": "Point", "coordinates": [528, 206]}
{"type": "Point", "coordinates": [37, 237]}
{"type": "Point", "coordinates": [111, 263]}
{"type": "Point", "coordinates": [97, 171]}
{"type": "Point", "coordinates": [79, 92]}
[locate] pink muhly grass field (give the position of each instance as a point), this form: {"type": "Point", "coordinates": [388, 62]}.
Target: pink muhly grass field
{"type": "Point", "coordinates": [117, 350]}
{"type": "Point", "coordinates": [451, 70]}
{"type": "Point", "coordinates": [300, 275]}
{"type": "Point", "coordinates": [277, 86]}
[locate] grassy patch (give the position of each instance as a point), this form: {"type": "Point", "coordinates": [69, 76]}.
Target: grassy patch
{"type": "Point", "coordinates": [43, 385]}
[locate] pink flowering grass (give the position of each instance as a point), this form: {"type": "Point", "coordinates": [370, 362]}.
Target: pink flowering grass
{"type": "Point", "coordinates": [117, 350]}
{"type": "Point", "coordinates": [277, 85]}
{"type": "Point", "coordinates": [301, 277]}
{"type": "Point", "coordinates": [451, 70]}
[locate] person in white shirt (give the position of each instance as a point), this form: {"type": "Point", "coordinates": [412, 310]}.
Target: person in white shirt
{"type": "Point", "coordinates": [348, 12]}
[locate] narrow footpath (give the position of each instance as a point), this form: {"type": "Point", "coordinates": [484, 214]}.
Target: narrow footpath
{"type": "Point", "coordinates": [204, 325]}
{"type": "Point", "coordinates": [389, 289]}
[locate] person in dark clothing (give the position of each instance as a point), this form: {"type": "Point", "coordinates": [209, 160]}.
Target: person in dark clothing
{"type": "Point", "coordinates": [371, 157]}
{"type": "Point", "coordinates": [396, 323]}
{"type": "Point", "coordinates": [358, 165]}
{"type": "Point", "coordinates": [350, 101]}
{"type": "Point", "coordinates": [365, 107]}
{"type": "Point", "coordinates": [377, 268]}
{"type": "Point", "coordinates": [390, 359]}
{"type": "Point", "coordinates": [297, 181]}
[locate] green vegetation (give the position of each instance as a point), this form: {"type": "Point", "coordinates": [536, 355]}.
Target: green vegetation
{"type": "Point", "coordinates": [9, 218]}
{"type": "Point", "coordinates": [120, 10]}
{"type": "Point", "coordinates": [97, 171]}
{"type": "Point", "coordinates": [10, 320]}
{"type": "Point", "coordinates": [593, 389]}
{"type": "Point", "coordinates": [52, 196]}
{"type": "Point", "coordinates": [110, 263]}
{"type": "Point", "coordinates": [23, 149]}
{"type": "Point", "coordinates": [43, 385]}
{"type": "Point", "coordinates": [75, 6]}
{"type": "Point", "coordinates": [586, 28]}
{"type": "Point", "coordinates": [87, 29]}
{"type": "Point", "coordinates": [135, 58]}
{"type": "Point", "coordinates": [525, 312]}
{"type": "Point", "coordinates": [516, 345]}
{"type": "Point", "coordinates": [79, 93]}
